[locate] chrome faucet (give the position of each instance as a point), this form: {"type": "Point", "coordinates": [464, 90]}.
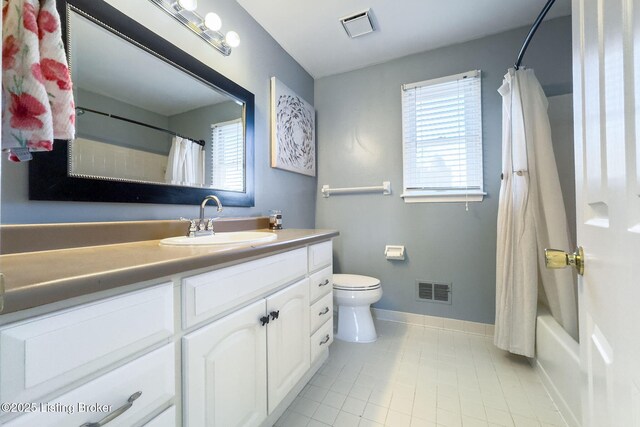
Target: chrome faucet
{"type": "Point", "coordinates": [206, 228]}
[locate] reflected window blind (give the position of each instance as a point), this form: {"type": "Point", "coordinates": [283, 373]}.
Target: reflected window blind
{"type": "Point", "coordinates": [227, 155]}
{"type": "Point", "coordinates": [442, 136]}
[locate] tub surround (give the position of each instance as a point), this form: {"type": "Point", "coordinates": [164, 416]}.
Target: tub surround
{"type": "Point", "coordinates": [40, 277]}
{"type": "Point", "coordinates": [558, 364]}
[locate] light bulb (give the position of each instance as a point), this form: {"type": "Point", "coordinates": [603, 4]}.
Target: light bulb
{"type": "Point", "coordinates": [232, 38]}
{"type": "Point", "coordinates": [212, 21]}
{"type": "Point", "coordinates": [189, 5]}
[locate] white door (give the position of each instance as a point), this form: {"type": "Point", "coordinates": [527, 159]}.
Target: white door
{"type": "Point", "coordinates": [606, 37]}
{"type": "Point", "coordinates": [226, 371]}
{"type": "Point", "coordinates": [287, 340]}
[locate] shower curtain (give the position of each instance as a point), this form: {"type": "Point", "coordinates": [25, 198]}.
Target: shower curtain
{"type": "Point", "coordinates": [185, 165]}
{"type": "Point", "coordinates": [531, 217]}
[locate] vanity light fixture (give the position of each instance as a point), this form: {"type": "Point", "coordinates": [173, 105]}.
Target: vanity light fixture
{"type": "Point", "coordinates": [190, 5]}
{"type": "Point", "coordinates": [212, 21]}
{"type": "Point", "coordinates": [208, 28]}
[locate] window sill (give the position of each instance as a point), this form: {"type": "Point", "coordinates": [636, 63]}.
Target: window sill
{"type": "Point", "coordinates": [443, 197]}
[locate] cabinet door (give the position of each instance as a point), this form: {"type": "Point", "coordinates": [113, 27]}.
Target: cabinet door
{"type": "Point", "coordinates": [287, 340]}
{"type": "Point", "coordinates": [225, 371]}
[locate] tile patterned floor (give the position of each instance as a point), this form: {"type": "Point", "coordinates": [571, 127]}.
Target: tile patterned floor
{"type": "Point", "coordinates": [418, 376]}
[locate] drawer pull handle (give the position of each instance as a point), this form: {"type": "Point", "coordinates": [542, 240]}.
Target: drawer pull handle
{"type": "Point", "coordinates": [275, 314]}
{"type": "Point", "coordinates": [264, 320]}
{"type": "Point", "coordinates": [115, 414]}
{"type": "Point", "coordinates": [323, 312]}
{"type": "Point", "coordinates": [325, 283]}
{"type": "Point", "coordinates": [325, 340]}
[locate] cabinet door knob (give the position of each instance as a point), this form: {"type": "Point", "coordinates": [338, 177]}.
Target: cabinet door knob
{"type": "Point", "coordinates": [325, 283]}
{"type": "Point", "coordinates": [325, 340]}
{"type": "Point", "coordinates": [113, 415]}
{"type": "Point", "coordinates": [264, 320]}
{"type": "Point", "coordinates": [323, 312]}
{"type": "Point", "coordinates": [275, 314]}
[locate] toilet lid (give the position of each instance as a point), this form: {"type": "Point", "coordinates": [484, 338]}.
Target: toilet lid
{"type": "Point", "coordinates": [354, 282]}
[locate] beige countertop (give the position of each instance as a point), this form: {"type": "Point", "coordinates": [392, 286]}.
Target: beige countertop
{"type": "Point", "coordinates": [33, 279]}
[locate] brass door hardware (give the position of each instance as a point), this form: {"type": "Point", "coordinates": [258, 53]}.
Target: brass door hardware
{"type": "Point", "coordinates": [555, 258]}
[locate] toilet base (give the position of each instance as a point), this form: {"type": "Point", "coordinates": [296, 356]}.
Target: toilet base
{"type": "Point", "coordinates": [355, 324]}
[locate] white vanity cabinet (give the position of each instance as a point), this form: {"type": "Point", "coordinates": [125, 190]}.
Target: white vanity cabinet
{"type": "Point", "coordinates": [229, 347]}
{"type": "Point", "coordinates": [147, 383]}
{"type": "Point", "coordinates": [229, 374]}
{"type": "Point", "coordinates": [225, 370]}
{"type": "Point", "coordinates": [287, 340]}
{"type": "Point", "coordinates": [46, 361]}
{"type": "Point", "coordinates": [165, 419]}
{"type": "Point", "coordinates": [321, 299]}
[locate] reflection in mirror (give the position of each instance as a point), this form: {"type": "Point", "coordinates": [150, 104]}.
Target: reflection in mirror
{"type": "Point", "coordinates": [141, 119]}
{"type": "Point", "coordinates": [170, 93]}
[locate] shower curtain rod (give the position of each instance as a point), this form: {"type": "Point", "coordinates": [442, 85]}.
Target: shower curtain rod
{"type": "Point", "coordinates": [532, 32]}
{"type": "Point", "coordinates": [81, 111]}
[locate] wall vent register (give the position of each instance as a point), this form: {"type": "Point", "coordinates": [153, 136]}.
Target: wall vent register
{"type": "Point", "coordinates": [434, 292]}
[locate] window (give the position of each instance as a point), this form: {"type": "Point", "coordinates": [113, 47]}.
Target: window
{"type": "Point", "coordinates": [442, 139]}
{"type": "Point", "coordinates": [227, 155]}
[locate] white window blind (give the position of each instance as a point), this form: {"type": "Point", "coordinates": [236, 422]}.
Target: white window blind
{"type": "Point", "coordinates": [442, 139]}
{"type": "Point", "coordinates": [227, 155]}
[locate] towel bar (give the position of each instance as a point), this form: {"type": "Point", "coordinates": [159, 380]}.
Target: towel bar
{"type": "Point", "coordinates": [385, 188]}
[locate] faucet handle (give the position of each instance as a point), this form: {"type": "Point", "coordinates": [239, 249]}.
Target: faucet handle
{"type": "Point", "coordinates": [210, 224]}
{"type": "Point", "coordinates": [192, 227]}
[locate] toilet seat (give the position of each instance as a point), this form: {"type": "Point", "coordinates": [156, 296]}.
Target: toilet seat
{"type": "Point", "coordinates": [355, 282]}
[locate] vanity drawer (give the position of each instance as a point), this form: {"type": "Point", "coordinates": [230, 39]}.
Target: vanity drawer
{"type": "Point", "coordinates": [152, 374]}
{"type": "Point", "coordinates": [320, 283]}
{"type": "Point", "coordinates": [165, 419]}
{"type": "Point", "coordinates": [210, 294]}
{"type": "Point", "coordinates": [321, 340]}
{"type": "Point", "coordinates": [49, 352]}
{"type": "Point", "coordinates": [321, 311]}
{"type": "Point", "coordinates": [320, 255]}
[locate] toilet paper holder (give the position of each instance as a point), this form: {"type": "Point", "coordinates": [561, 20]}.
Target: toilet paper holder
{"type": "Point", "coordinates": [394, 252]}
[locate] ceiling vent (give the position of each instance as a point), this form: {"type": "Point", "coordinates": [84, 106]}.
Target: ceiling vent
{"type": "Point", "coordinates": [359, 24]}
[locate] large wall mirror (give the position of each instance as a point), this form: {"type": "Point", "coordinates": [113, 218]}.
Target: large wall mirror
{"type": "Point", "coordinates": [153, 124]}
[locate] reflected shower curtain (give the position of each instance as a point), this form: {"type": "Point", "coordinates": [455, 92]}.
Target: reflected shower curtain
{"type": "Point", "coordinates": [185, 165]}
{"type": "Point", "coordinates": [531, 217]}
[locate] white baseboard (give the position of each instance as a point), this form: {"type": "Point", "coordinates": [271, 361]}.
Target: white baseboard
{"type": "Point", "coordinates": [434, 322]}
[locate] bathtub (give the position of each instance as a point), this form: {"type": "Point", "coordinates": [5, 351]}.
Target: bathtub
{"type": "Point", "coordinates": [558, 363]}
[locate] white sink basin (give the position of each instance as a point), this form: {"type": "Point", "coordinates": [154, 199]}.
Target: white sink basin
{"type": "Point", "coordinates": [221, 239]}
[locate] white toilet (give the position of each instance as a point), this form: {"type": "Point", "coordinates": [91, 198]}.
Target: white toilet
{"type": "Point", "coordinates": [353, 294]}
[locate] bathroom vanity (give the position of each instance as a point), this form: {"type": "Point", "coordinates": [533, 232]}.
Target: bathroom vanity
{"type": "Point", "coordinates": [223, 336]}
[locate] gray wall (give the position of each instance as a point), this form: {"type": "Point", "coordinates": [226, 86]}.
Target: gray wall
{"type": "Point", "coordinates": [118, 132]}
{"type": "Point", "coordinates": [359, 134]}
{"type": "Point", "coordinates": [197, 123]}
{"type": "Point", "coordinates": [251, 65]}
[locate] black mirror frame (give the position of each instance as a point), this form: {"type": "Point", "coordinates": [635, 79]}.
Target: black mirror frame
{"type": "Point", "coordinates": [48, 171]}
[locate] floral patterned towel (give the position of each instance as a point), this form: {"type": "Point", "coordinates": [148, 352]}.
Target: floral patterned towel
{"type": "Point", "coordinates": [37, 99]}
